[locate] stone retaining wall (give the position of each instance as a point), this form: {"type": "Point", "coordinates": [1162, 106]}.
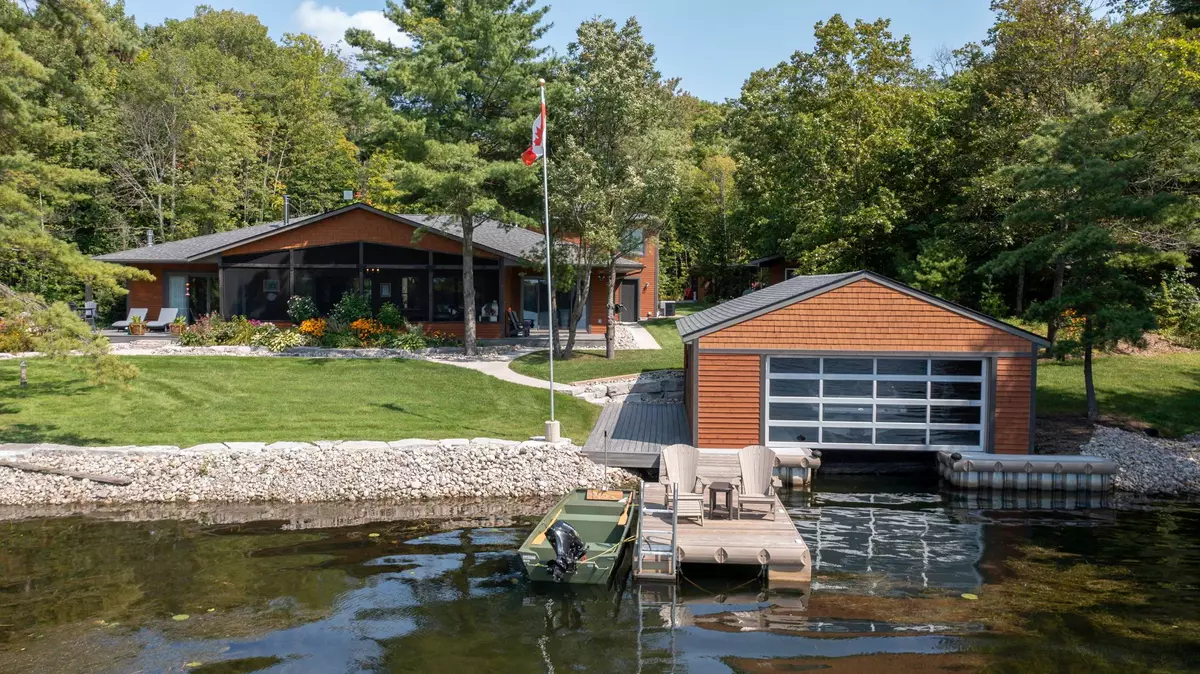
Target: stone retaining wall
{"type": "Point", "coordinates": [297, 472]}
{"type": "Point", "coordinates": [664, 386]}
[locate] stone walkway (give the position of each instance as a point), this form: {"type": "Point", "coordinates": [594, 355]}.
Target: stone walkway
{"type": "Point", "coordinates": [642, 336]}
{"type": "Point", "coordinates": [499, 369]}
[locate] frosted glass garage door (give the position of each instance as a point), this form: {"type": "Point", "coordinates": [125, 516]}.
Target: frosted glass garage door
{"type": "Point", "coordinates": [884, 403]}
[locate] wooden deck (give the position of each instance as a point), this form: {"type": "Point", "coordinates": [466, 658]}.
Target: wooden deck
{"type": "Point", "coordinates": [752, 540]}
{"type": "Point", "coordinates": [637, 433]}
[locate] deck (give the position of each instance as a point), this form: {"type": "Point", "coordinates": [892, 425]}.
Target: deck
{"type": "Point", "coordinates": [753, 540]}
{"type": "Point", "coordinates": [637, 433]}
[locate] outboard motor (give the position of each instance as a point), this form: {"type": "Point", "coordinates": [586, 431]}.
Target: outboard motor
{"type": "Point", "coordinates": [568, 550]}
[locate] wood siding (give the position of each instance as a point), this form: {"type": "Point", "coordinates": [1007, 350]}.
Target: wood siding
{"type": "Point", "coordinates": [1013, 380]}
{"type": "Point", "coordinates": [150, 295]}
{"type": "Point", "coordinates": [354, 226]}
{"type": "Point", "coordinates": [864, 316]}
{"type": "Point", "coordinates": [729, 400]}
{"type": "Point", "coordinates": [647, 279]}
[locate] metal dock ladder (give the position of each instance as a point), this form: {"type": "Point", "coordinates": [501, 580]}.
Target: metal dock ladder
{"type": "Point", "coordinates": [656, 558]}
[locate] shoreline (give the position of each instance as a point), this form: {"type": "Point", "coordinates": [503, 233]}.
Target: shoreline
{"type": "Point", "coordinates": [345, 472]}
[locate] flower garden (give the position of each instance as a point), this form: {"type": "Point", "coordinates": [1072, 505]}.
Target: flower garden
{"type": "Point", "coordinates": [350, 324]}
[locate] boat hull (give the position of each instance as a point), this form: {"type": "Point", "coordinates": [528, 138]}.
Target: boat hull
{"type": "Point", "coordinates": [603, 525]}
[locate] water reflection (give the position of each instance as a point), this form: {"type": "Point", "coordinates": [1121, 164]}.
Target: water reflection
{"type": "Point", "coordinates": [1060, 587]}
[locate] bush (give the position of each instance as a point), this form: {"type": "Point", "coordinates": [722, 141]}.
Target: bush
{"type": "Point", "coordinates": [390, 317]}
{"type": "Point", "coordinates": [438, 338]}
{"type": "Point", "coordinates": [352, 307]}
{"type": "Point", "coordinates": [16, 335]}
{"type": "Point", "coordinates": [1177, 308]}
{"type": "Point", "coordinates": [313, 327]}
{"type": "Point", "coordinates": [212, 330]}
{"type": "Point", "coordinates": [340, 339]}
{"type": "Point", "coordinates": [409, 340]}
{"type": "Point", "coordinates": [301, 308]}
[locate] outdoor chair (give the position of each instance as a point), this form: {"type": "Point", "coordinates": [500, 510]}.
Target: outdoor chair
{"type": "Point", "coordinates": [757, 485]}
{"type": "Point", "coordinates": [138, 313]}
{"type": "Point", "coordinates": [680, 463]}
{"type": "Point", "coordinates": [165, 317]}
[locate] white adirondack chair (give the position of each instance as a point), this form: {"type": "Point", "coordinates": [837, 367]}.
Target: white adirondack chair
{"type": "Point", "coordinates": [757, 485]}
{"type": "Point", "coordinates": [680, 463]}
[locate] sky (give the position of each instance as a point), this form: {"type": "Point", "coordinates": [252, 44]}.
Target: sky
{"type": "Point", "coordinates": [712, 45]}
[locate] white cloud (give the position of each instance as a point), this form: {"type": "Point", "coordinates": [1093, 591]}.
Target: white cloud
{"type": "Point", "coordinates": [329, 24]}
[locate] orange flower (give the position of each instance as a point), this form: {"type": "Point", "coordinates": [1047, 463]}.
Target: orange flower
{"type": "Point", "coordinates": [367, 329]}
{"type": "Point", "coordinates": [313, 327]}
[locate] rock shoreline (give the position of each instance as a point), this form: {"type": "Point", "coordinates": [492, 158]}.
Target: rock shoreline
{"type": "Point", "coordinates": [1148, 465]}
{"type": "Point", "coordinates": [296, 472]}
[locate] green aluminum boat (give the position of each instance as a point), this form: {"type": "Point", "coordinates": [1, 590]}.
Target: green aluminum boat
{"type": "Point", "coordinates": [604, 521]}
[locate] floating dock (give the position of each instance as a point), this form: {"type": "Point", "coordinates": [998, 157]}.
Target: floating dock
{"type": "Point", "coordinates": [754, 540]}
{"type": "Point", "coordinates": [1041, 472]}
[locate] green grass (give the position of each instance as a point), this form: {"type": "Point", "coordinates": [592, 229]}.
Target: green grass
{"type": "Point", "coordinates": [1162, 391]}
{"type": "Point", "coordinates": [593, 365]}
{"type": "Point", "coordinates": [190, 400]}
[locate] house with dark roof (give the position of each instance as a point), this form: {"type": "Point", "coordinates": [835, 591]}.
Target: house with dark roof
{"type": "Point", "coordinates": [412, 261]}
{"type": "Point", "coordinates": [857, 361]}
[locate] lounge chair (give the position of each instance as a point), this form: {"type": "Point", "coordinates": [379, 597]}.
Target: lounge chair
{"type": "Point", "coordinates": [757, 485]}
{"type": "Point", "coordinates": [139, 313]}
{"type": "Point", "coordinates": [681, 462]}
{"type": "Point", "coordinates": [165, 317]}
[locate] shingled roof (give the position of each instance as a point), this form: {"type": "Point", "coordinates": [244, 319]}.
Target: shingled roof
{"type": "Point", "coordinates": [509, 241]}
{"type": "Point", "coordinates": [800, 288]}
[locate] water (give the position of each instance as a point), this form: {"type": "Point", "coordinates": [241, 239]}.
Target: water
{"type": "Point", "coordinates": [1060, 586]}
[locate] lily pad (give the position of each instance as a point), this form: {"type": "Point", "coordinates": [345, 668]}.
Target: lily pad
{"type": "Point", "coordinates": [968, 595]}
{"type": "Point", "coordinates": [373, 535]}
{"type": "Point", "coordinates": [180, 617]}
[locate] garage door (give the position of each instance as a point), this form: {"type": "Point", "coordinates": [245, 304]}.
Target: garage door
{"type": "Point", "coordinates": [875, 403]}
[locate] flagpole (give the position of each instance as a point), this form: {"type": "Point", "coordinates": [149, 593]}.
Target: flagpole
{"type": "Point", "coordinates": [546, 219]}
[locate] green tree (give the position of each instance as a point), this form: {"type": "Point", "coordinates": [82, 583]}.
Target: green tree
{"type": "Point", "coordinates": [464, 94]}
{"type": "Point", "coordinates": [834, 148]}
{"type": "Point", "coordinates": [617, 164]}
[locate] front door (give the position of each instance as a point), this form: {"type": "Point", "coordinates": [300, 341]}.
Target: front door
{"type": "Point", "coordinates": [629, 300]}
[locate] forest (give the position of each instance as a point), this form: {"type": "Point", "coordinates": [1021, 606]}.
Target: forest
{"type": "Point", "coordinates": [1050, 172]}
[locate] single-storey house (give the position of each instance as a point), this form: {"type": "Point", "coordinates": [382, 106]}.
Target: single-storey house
{"type": "Point", "coordinates": [412, 261]}
{"type": "Point", "coordinates": [857, 361]}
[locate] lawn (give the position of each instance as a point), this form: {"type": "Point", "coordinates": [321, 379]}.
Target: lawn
{"type": "Point", "coordinates": [593, 364]}
{"type": "Point", "coordinates": [1162, 391]}
{"type": "Point", "coordinates": [190, 400]}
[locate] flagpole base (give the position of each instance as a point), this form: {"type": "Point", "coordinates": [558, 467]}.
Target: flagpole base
{"type": "Point", "coordinates": [553, 431]}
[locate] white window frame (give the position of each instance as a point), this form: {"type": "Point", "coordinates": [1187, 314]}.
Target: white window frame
{"type": "Point", "coordinates": [875, 401]}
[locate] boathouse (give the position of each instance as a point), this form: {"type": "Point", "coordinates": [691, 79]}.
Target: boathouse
{"type": "Point", "coordinates": [857, 361]}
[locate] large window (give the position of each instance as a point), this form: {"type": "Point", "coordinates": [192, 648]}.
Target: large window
{"type": "Point", "coordinates": [260, 294]}
{"type": "Point", "coordinates": [888, 403]}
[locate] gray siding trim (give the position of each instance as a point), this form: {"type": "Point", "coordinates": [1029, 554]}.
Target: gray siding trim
{"type": "Point", "coordinates": [990, 418]}
{"type": "Point", "coordinates": [1033, 366]}
{"type": "Point", "coordinates": [695, 386]}
{"type": "Point", "coordinates": [762, 399]}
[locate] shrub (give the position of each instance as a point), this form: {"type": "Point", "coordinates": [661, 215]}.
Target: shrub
{"type": "Point", "coordinates": [438, 338]}
{"type": "Point", "coordinates": [352, 307]}
{"type": "Point", "coordinates": [16, 335]}
{"type": "Point", "coordinates": [212, 330]}
{"type": "Point", "coordinates": [301, 308]}
{"type": "Point", "coordinates": [340, 339]}
{"type": "Point", "coordinates": [390, 317]}
{"type": "Point", "coordinates": [313, 327]}
{"type": "Point", "coordinates": [1177, 308]}
{"type": "Point", "coordinates": [407, 340]}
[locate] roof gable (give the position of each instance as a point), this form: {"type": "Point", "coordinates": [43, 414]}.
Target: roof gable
{"type": "Point", "coordinates": [800, 288]}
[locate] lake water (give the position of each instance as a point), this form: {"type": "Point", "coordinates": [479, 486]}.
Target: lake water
{"type": "Point", "coordinates": [1059, 586]}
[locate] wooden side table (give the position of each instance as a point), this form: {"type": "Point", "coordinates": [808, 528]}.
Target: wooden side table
{"type": "Point", "coordinates": [725, 488]}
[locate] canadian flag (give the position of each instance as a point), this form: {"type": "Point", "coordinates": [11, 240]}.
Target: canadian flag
{"type": "Point", "coordinates": [538, 149]}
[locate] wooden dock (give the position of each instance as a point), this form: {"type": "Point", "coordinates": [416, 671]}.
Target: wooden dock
{"type": "Point", "coordinates": [754, 540]}
{"type": "Point", "coordinates": [637, 433]}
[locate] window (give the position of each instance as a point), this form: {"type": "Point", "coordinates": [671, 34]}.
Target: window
{"type": "Point", "coordinates": [790, 272]}
{"type": "Point", "coordinates": [324, 286]}
{"type": "Point", "coordinates": [447, 296]}
{"type": "Point", "coordinates": [891, 403]}
{"type": "Point", "coordinates": [637, 242]}
{"type": "Point", "coordinates": [408, 290]}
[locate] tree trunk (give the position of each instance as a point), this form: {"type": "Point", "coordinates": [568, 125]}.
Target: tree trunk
{"type": "Point", "coordinates": [610, 328]}
{"type": "Point", "coordinates": [468, 275]}
{"type": "Point", "coordinates": [1020, 305]}
{"type": "Point", "coordinates": [583, 287]}
{"type": "Point", "coordinates": [1093, 410]}
{"type": "Point", "coordinates": [553, 316]}
{"type": "Point", "coordinates": [1060, 271]}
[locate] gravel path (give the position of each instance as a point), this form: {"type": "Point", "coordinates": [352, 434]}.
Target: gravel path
{"type": "Point", "coordinates": [1148, 465]}
{"type": "Point", "coordinates": [292, 472]}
